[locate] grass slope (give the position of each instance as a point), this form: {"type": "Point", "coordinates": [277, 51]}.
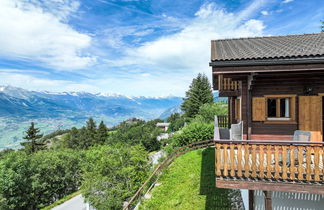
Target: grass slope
{"type": "Point", "coordinates": [189, 183]}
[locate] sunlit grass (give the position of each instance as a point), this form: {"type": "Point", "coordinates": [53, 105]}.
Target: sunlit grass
{"type": "Point", "coordinates": [189, 183]}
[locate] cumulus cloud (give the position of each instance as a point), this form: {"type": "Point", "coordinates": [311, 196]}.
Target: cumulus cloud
{"type": "Point", "coordinates": [287, 1]}
{"type": "Point", "coordinates": [36, 31]}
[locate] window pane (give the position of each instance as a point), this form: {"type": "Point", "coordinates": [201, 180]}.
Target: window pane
{"type": "Point", "coordinates": [284, 107]}
{"type": "Point", "coordinates": [287, 114]}
{"type": "Point", "coordinates": [272, 108]}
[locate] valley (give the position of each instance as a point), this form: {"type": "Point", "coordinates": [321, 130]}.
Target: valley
{"type": "Point", "coordinates": [55, 111]}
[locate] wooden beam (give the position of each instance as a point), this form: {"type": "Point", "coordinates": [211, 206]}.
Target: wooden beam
{"type": "Point", "coordinates": [251, 199]}
{"type": "Point", "coordinates": [271, 186]}
{"type": "Point", "coordinates": [267, 200]}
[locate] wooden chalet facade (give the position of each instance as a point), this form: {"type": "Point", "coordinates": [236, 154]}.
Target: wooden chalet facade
{"type": "Point", "coordinates": [275, 86]}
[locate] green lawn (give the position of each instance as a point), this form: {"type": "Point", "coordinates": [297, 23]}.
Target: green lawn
{"type": "Point", "coordinates": [189, 183]}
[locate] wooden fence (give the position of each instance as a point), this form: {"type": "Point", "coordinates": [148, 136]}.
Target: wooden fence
{"type": "Point", "coordinates": [282, 161]}
{"type": "Point", "coordinates": [149, 183]}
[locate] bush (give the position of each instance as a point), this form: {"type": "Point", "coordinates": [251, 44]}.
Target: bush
{"type": "Point", "coordinates": [194, 132]}
{"type": "Point", "coordinates": [35, 181]}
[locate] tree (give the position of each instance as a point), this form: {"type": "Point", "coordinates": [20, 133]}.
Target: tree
{"type": "Point", "coordinates": [102, 133]}
{"type": "Point", "coordinates": [111, 174]}
{"type": "Point", "coordinates": [199, 93]}
{"type": "Point", "coordinates": [208, 111]}
{"type": "Point", "coordinates": [91, 132]}
{"type": "Point", "coordinates": [32, 135]}
{"type": "Point", "coordinates": [36, 180]}
{"type": "Point", "coordinates": [176, 122]}
{"type": "Point", "coordinates": [322, 27]}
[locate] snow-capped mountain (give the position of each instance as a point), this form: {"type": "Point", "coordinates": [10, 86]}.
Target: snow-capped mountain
{"type": "Point", "coordinates": [17, 101]}
{"type": "Point", "coordinates": [58, 110]}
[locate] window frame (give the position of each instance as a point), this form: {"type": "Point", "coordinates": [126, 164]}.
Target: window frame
{"type": "Point", "coordinates": [292, 109]}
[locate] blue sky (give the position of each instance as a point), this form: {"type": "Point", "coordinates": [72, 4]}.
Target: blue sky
{"type": "Point", "coordinates": [132, 47]}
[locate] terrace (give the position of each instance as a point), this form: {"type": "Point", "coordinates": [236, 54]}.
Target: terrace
{"type": "Point", "coordinates": [289, 166]}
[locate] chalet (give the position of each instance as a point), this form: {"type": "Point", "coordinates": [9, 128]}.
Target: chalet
{"type": "Point", "coordinates": [163, 126]}
{"type": "Point", "coordinates": [275, 90]}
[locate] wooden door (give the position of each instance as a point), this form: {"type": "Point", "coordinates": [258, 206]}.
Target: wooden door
{"type": "Point", "coordinates": [310, 116]}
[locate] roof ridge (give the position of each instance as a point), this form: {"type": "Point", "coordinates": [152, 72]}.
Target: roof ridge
{"type": "Point", "coordinates": [258, 37]}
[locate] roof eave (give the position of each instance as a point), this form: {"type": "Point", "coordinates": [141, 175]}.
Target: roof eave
{"type": "Point", "coordinates": [263, 62]}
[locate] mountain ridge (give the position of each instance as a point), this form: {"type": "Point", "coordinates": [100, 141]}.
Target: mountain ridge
{"type": "Point", "coordinates": [52, 111]}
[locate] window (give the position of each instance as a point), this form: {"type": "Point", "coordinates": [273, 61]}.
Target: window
{"type": "Point", "coordinates": [278, 108]}
{"type": "Point", "coordinates": [274, 109]}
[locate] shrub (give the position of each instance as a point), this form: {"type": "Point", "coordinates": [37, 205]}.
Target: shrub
{"type": "Point", "coordinates": [35, 181]}
{"type": "Point", "coordinates": [194, 132]}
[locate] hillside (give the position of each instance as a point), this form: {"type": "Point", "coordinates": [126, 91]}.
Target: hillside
{"type": "Point", "coordinates": [189, 183]}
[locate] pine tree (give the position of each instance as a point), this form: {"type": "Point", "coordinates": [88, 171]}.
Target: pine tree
{"type": "Point", "coordinates": [32, 135]}
{"type": "Point", "coordinates": [91, 125]}
{"type": "Point", "coordinates": [322, 27]}
{"type": "Point", "coordinates": [199, 93]}
{"type": "Point", "coordinates": [74, 137]}
{"type": "Point", "coordinates": [102, 133]}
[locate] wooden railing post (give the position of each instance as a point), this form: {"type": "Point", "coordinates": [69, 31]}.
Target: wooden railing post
{"type": "Point", "coordinates": [225, 172]}
{"type": "Point", "coordinates": [261, 166]}
{"type": "Point", "coordinates": [292, 163]}
{"type": "Point", "coordinates": [218, 160]}
{"type": "Point", "coordinates": [277, 168]}
{"type": "Point", "coordinates": [254, 167]}
{"type": "Point", "coordinates": [232, 161]}
{"type": "Point", "coordinates": [246, 161]}
{"type": "Point", "coordinates": [239, 160]}
{"type": "Point", "coordinates": [269, 168]}
{"type": "Point", "coordinates": [284, 162]}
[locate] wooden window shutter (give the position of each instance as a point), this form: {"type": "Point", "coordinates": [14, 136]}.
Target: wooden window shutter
{"type": "Point", "coordinates": [258, 109]}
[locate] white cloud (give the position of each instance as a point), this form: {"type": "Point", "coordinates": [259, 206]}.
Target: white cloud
{"type": "Point", "coordinates": [264, 12]}
{"type": "Point", "coordinates": [287, 1]}
{"type": "Point", "coordinates": [188, 52]}
{"type": "Point", "coordinates": [182, 55]}
{"type": "Point", "coordinates": [34, 32]}
{"type": "Point", "coordinates": [35, 83]}
{"type": "Point", "coordinates": [166, 65]}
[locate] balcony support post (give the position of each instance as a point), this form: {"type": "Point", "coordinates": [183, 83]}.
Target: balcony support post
{"type": "Point", "coordinates": [251, 199]}
{"type": "Point", "coordinates": [249, 106]}
{"type": "Point", "coordinates": [268, 200]}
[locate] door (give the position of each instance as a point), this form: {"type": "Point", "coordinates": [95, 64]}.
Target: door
{"type": "Point", "coordinates": [310, 116]}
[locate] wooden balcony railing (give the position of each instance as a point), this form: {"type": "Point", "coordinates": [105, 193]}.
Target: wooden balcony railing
{"type": "Point", "coordinates": [223, 121]}
{"type": "Point", "coordinates": [279, 161]}
{"type": "Point", "coordinates": [226, 84]}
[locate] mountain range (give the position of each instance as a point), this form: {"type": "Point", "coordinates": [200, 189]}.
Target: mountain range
{"type": "Point", "coordinates": [52, 111]}
{"type": "Point", "coordinates": [59, 110]}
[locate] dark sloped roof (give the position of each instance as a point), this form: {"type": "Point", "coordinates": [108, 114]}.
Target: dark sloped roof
{"type": "Point", "coordinates": [291, 46]}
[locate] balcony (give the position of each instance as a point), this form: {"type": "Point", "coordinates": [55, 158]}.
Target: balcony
{"type": "Point", "coordinates": [228, 87]}
{"type": "Point", "coordinates": [270, 165]}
